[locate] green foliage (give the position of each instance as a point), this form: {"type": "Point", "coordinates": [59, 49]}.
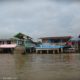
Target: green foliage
{"type": "Point", "coordinates": [22, 36]}
{"type": "Point", "coordinates": [19, 35]}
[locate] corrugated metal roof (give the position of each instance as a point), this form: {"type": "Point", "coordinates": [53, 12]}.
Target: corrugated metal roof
{"type": "Point", "coordinates": [62, 37]}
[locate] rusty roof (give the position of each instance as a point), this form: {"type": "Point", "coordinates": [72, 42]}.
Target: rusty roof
{"type": "Point", "coordinates": [60, 37]}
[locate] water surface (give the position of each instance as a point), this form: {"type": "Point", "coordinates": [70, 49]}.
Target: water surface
{"type": "Point", "coordinates": [40, 66]}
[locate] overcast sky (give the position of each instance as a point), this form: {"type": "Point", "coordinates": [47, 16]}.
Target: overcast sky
{"type": "Point", "coordinates": [39, 18]}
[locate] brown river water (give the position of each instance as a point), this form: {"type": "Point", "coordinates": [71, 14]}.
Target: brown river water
{"type": "Point", "coordinates": [40, 66]}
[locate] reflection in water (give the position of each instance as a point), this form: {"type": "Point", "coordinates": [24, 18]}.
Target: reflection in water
{"type": "Point", "coordinates": [48, 66]}
{"type": "Point", "coordinates": [20, 63]}
{"type": "Point", "coordinates": [40, 66]}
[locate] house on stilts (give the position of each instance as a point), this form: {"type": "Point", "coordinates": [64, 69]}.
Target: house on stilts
{"type": "Point", "coordinates": [54, 44]}
{"type": "Point", "coordinates": [19, 42]}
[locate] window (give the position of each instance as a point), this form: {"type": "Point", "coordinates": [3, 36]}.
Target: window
{"type": "Point", "coordinates": [8, 42]}
{"type": "Point", "coordinates": [1, 42]}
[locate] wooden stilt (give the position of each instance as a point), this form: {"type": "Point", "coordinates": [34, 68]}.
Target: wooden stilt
{"type": "Point", "coordinates": [47, 51]}
{"type": "Point", "coordinates": [30, 50]}
{"type": "Point", "coordinates": [53, 51]}
{"type": "Point", "coordinates": [57, 50]}
{"type": "Point", "coordinates": [40, 52]}
{"type": "Point", "coordinates": [36, 51]}
{"type": "Point", "coordinates": [61, 50]}
{"type": "Point", "coordinates": [25, 50]}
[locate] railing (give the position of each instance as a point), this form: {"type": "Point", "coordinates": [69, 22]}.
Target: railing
{"type": "Point", "coordinates": [58, 43]}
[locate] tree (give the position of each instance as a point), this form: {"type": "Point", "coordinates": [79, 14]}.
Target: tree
{"type": "Point", "coordinates": [22, 36]}
{"type": "Point", "coordinates": [19, 35]}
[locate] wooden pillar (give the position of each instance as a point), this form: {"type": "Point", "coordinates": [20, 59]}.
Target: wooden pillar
{"type": "Point", "coordinates": [36, 51]}
{"type": "Point", "coordinates": [47, 51]}
{"type": "Point", "coordinates": [12, 50]}
{"type": "Point", "coordinates": [57, 50]}
{"type": "Point", "coordinates": [53, 51]}
{"type": "Point", "coordinates": [25, 50]}
{"type": "Point", "coordinates": [30, 50]}
{"type": "Point", "coordinates": [40, 52]}
{"type": "Point", "coordinates": [61, 50]}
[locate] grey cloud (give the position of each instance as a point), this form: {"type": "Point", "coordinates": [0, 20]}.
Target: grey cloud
{"type": "Point", "coordinates": [40, 18]}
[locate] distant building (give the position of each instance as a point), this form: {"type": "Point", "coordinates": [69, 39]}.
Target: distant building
{"type": "Point", "coordinates": [19, 38]}
{"type": "Point", "coordinates": [7, 45]}
{"type": "Point", "coordinates": [25, 40]}
{"type": "Point", "coordinates": [56, 40]}
{"type": "Point", "coordinates": [20, 41]}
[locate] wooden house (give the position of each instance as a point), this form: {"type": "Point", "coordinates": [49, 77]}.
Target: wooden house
{"type": "Point", "coordinates": [56, 40]}
{"type": "Point", "coordinates": [26, 41]}
{"type": "Point", "coordinates": [20, 42]}
{"type": "Point", "coordinates": [7, 45]}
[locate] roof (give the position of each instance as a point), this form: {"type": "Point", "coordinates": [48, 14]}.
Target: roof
{"type": "Point", "coordinates": [22, 36]}
{"type": "Point", "coordinates": [10, 37]}
{"type": "Point", "coordinates": [62, 37]}
{"type": "Point", "coordinates": [5, 39]}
